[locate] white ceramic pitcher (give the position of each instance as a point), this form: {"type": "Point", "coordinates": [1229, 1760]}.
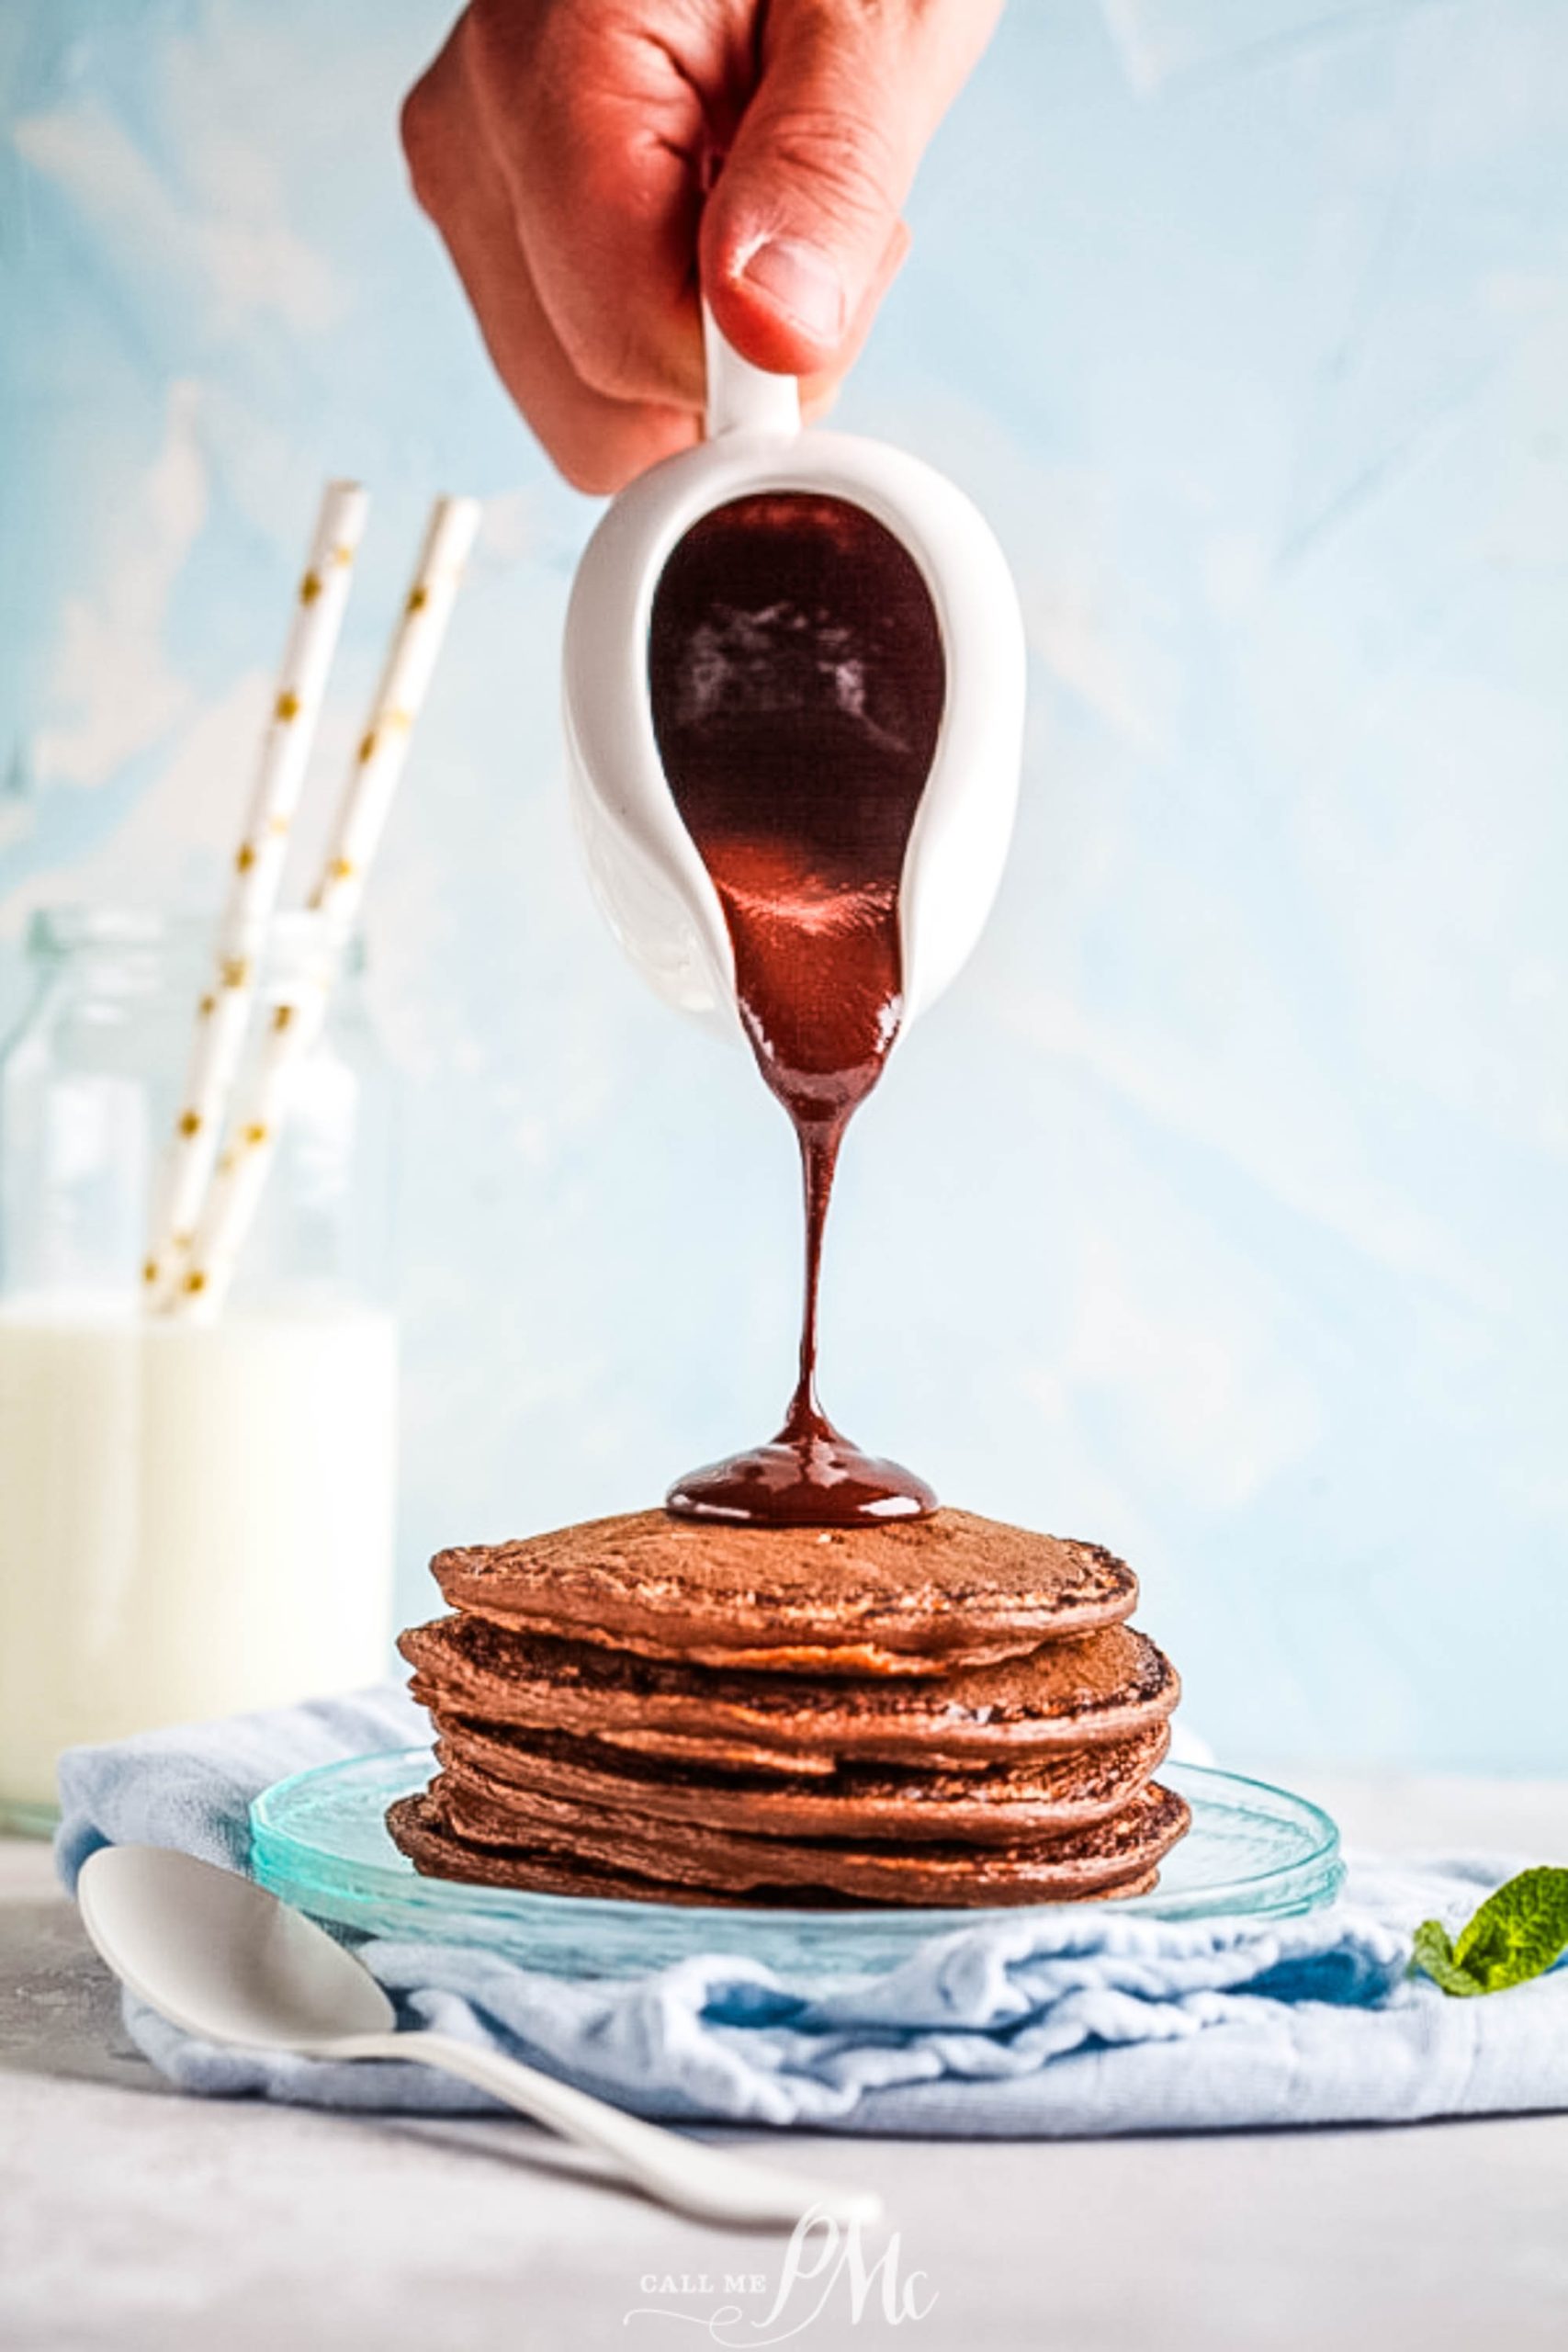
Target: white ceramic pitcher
{"type": "Point", "coordinates": [645, 867]}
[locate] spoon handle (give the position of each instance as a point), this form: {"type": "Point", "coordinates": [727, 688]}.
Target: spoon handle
{"type": "Point", "coordinates": [715, 2183]}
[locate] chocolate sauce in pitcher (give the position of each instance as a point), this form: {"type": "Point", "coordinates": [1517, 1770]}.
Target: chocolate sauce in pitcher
{"type": "Point", "coordinates": [798, 683]}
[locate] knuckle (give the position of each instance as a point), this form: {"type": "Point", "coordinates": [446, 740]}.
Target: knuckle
{"type": "Point", "coordinates": [419, 129]}
{"type": "Point", "coordinates": [447, 121]}
{"type": "Point", "coordinates": [849, 159]}
{"type": "Point", "coordinates": [436, 124]}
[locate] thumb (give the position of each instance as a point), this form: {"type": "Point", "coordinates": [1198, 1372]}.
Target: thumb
{"type": "Point", "coordinates": [797, 234]}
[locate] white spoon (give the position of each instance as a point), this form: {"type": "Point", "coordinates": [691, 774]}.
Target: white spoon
{"type": "Point", "coordinates": [229, 1962]}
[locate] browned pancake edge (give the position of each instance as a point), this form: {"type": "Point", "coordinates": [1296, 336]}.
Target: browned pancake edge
{"type": "Point", "coordinates": [1037, 1798]}
{"type": "Point", "coordinates": [436, 1851]}
{"type": "Point", "coordinates": [685, 1854]}
{"type": "Point", "coordinates": [1093, 1689]}
{"type": "Point", "coordinates": [911, 1598]}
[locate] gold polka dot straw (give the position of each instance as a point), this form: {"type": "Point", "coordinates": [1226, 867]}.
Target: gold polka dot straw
{"type": "Point", "coordinates": [361, 814]}
{"type": "Point", "coordinates": [223, 1013]}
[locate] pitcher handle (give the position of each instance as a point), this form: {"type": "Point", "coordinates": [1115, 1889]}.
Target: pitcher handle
{"type": "Point", "coordinates": [743, 399]}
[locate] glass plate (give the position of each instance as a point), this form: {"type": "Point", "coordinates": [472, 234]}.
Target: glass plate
{"type": "Point", "coordinates": [319, 1839]}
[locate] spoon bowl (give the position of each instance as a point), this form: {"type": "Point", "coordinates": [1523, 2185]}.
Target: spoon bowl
{"type": "Point", "coordinates": [218, 1956]}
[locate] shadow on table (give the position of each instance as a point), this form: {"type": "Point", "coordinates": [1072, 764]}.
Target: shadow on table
{"type": "Point", "coordinates": [59, 2006]}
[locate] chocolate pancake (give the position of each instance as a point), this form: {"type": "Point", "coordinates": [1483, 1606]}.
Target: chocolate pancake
{"type": "Point", "coordinates": [914, 1596]}
{"type": "Point", "coordinates": [1038, 1797]}
{"type": "Point", "coordinates": [1098, 1687]}
{"type": "Point", "coordinates": [669, 1854]}
{"type": "Point", "coordinates": [437, 1853]}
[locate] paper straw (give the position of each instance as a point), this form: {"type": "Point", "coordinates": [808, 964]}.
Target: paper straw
{"type": "Point", "coordinates": [223, 1013]}
{"type": "Point", "coordinates": [298, 1020]}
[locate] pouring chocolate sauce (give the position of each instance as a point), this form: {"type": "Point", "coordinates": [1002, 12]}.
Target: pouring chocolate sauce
{"type": "Point", "coordinates": [797, 681]}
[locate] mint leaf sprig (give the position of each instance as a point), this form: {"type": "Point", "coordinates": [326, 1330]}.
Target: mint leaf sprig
{"type": "Point", "coordinates": [1518, 1933]}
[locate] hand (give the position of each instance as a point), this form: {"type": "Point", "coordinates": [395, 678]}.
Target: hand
{"type": "Point", "coordinates": [562, 148]}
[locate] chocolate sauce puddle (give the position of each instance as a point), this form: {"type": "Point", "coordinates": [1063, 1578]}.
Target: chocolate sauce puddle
{"type": "Point", "coordinates": [797, 684]}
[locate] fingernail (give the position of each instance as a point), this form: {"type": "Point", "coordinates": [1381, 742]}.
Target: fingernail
{"type": "Point", "coordinates": [801, 282]}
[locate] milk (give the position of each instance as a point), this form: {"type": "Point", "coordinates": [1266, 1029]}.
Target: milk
{"type": "Point", "coordinates": [193, 1520]}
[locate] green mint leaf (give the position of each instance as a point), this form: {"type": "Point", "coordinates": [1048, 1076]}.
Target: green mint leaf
{"type": "Point", "coordinates": [1433, 1956]}
{"type": "Point", "coordinates": [1517, 1932]}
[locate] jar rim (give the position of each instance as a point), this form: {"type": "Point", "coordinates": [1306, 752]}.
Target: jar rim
{"type": "Point", "coordinates": [74, 927]}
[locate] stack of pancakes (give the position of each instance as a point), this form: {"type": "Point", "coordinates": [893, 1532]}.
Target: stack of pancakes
{"type": "Point", "coordinates": [939, 1710]}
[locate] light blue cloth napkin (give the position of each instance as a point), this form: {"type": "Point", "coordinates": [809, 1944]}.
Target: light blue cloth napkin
{"type": "Point", "coordinates": [1048, 2025]}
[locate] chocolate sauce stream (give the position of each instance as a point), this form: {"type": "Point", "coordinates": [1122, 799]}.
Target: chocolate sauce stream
{"type": "Point", "coordinates": [797, 684]}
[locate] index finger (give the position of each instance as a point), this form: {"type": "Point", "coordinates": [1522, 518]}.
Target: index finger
{"type": "Point", "coordinates": [598, 125]}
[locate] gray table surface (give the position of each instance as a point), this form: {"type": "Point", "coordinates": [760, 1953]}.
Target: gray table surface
{"type": "Point", "coordinates": [132, 2218]}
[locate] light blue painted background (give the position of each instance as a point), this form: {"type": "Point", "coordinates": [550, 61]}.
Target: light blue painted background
{"type": "Point", "coordinates": [1218, 1213]}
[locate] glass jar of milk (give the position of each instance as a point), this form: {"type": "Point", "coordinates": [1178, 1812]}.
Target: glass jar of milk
{"type": "Point", "coordinates": [195, 1519]}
